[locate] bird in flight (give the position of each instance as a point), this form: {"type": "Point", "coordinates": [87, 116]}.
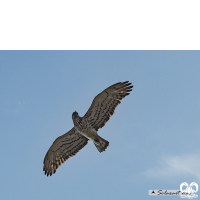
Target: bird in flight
{"type": "Point", "coordinates": [86, 127]}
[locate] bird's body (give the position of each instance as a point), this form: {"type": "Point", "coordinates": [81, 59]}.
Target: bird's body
{"type": "Point", "coordinates": [83, 127]}
{"type": "Point", "coordinates": [86, 127]}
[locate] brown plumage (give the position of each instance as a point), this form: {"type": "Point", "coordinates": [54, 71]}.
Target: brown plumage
{"type": "Point", "coordinates": [86, 127]}
{"type": "Point", "coordinates": [104, 104]}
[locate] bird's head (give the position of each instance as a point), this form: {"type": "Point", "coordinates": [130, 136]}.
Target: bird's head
{"type": "Point", "coordinates": [74, 115]}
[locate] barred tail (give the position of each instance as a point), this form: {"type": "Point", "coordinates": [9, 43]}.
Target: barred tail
{"type": "Point", "coordinates": [101, 144]}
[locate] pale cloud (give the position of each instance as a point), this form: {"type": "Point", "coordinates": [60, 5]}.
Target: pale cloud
{"type": "Point", "coordinates": [176, 166]}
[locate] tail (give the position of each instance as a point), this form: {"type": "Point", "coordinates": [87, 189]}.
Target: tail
{"type": "Point", "coordinates": [101, 144]}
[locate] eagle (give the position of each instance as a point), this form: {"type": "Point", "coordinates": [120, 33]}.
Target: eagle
{"type": "Point", "coordinates": [86, 127]}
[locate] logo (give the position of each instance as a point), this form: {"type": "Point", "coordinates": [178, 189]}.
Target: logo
{"type": "Point", "coordinates": [189, 191]}
{"type": "Point", "coordinates": [186, 191]}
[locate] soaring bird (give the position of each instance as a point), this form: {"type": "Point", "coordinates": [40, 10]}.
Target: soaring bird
{"type": "Point", "coordinates": [86, 127]}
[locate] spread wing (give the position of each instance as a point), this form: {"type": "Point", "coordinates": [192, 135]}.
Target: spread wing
{"type": "Point", "coordinates": [63, 147]}
{"type": "Point", "coordinates": [104, 104]}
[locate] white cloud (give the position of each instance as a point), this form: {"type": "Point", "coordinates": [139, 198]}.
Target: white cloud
{"type": "Point", "coordinates": [176, 166]}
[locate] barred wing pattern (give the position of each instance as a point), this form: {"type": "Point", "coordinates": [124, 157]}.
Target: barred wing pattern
{"type": "Point", "coordinates": [63, 147]}
{"type": "Point", "coordinates": [104, 104]}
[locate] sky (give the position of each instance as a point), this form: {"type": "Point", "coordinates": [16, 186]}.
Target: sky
{"type": "Point", "coordinates": [153, 136]}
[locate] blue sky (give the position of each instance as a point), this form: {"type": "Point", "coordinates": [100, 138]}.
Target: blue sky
{"type": "Point", "coordinates": [154, 133]}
